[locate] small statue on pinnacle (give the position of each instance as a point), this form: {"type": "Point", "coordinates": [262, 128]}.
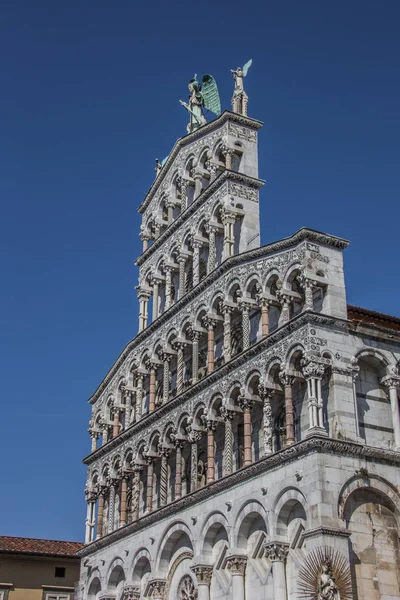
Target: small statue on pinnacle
{"type": "Point", "coordinates": [202, 96]}
{"type": "Point", "coordinates": [240, 99]}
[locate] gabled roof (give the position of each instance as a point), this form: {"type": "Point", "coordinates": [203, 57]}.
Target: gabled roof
{"type": "Point", "coordinates": [355, 313]}
{"type": "Point", "coordinates": [21, 545]}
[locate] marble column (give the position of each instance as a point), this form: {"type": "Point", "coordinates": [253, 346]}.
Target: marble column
{"type": "Point", "coordinates": [166, 360]}
{"type": "Point", "coordinates": [287, 381]}
{"type": "Point", "coordinates": [266, 395]}
{"type": "Point", "coordinates": [194, 436]}
{"type": "Point", "coordinates": [155, 283]}
{"type": "Point", "coordinates": [139, 397]}
{"type": "Point", "coordinates": [197, 184]}
{"type": "Point", "coordinates": [211, 427]}
{"type": "Point", "coordinates": [94, 435]}
{"type": "Point", "coordinates": [195, 356]}
{"type": "Point", "coordinates": [178, 468]}
{"type": "Point", "coordinates": [143, 309]}
{"type": "Point", "coordinates": [392, 382]}
{"type": "Point", "coordinates": [236, 565]}
{"type": "Point", "coordinates": [203, 575]}
{"type": "Point", "coordinates": [277, 553]}
{"type": "Point", "coordinates": [111, 506]}
{"type": "Point", "coordinates": [227, 310]}
{"type": "Point", "coordinates": [285, 309]}
{"type": "Point", "coordinates": [246, 405]}
{"type": "Point", "coordinates": [115, 421]}
{"type": "Point", "coordinates": [180, 346]}
{"type": "Point", "coordinates": [212, 253]}
{"type": "Point", "coordinates": [210, 325]}
{"type": "Point", "coordinates": [228, 153]}
{"type": "Point", "coordinates": [90, 518]}
{"type": "Point", "coordinates": [196, 261]}
{"type": "Point", "coordinates": [149, 488]}
{"type": "Point", "coordinates": [264, 317]}
{"type": "Point", "coordinates": [245, 325]}
{"type": "Point", "coordinates": [137, 469]}
{"type": "Point", "coordinates": [100, 514]}
{"type": "Point", "coordinates": [228, 416]}
{"type": "Point", "coordinates": [124, 491]}
{"type": "Point", "coordinates": [168, 287]}
{"type": "Point", "coordinates": [165, 453]}
{"type": "Point", "coordinates": [182, 286]}
{"type": "Point", "coordinates": [313, 373]}
{"type": "Point", "coordinates": [152, 388]}
{"type": "Point", "coordinates": [128, 406]}
{"type": "Point", "coordinates": [183, 187]}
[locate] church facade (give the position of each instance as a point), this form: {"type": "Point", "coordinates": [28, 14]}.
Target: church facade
{"type": "Point", "coordinates": [246, 442]}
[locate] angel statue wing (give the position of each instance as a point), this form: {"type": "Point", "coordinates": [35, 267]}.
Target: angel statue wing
{"type": "Point", "coordinates": [210, 93]}
{"type": "Point", "coordinates": [247, 67]}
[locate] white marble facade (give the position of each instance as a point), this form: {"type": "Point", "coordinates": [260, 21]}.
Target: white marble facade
{"type": "Point", "coordinates": [251, 425]}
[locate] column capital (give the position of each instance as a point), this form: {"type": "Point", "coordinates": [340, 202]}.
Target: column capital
{"type": "Point", "coordinates": [156, 589]}
{"type": "Point", "coordinates": [391, 381]}
{"type": "Point", "coordinates": [194, 435]}
{"type": "Point", "coordinates": [245, 403]}
{"type": "Point", "coordinates": [193, 333]}
{"type": "Point", "coordinates": [136, 467]}
{"type": "Point", "coordinates": [276, 551]}
{"type": "Point", "coordinates": [209, 423]}
{"type": "Point", "coordinates": [236, 564]}
{"type": "Point", "coordinates": [203, 573]}
{"type": "Point", "coordinates": [209, 322]}
{"type": "Point", "coordinates": [164, 451]}
{"type": "Point", "coordinates": [131, 592]}
{"type": "Point", "coordinates": [264, 391]}
{"type": "Point", "coordinates": [226, 414]}
{"type": "Point", "coordinates": [286, 378]}
{"type": "Point", "coordinates": [312, 368]}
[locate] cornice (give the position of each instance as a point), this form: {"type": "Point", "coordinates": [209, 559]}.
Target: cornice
{"type": "Point", "coordinates": [191, 137]}
{"type": "Point", "coordinates": [261, 252]}
{"type": "Point", "coordinates": [330, 531]}
{"type": "Point", "coordinates": [312, 444]}
{"type": "Point", "coordinates": [226, 175]}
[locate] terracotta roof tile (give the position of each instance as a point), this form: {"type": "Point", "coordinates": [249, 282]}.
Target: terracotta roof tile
{"type": "Point", "coordinates": [35, 546]}
{"type": "Point", "coordinates": [355, 313]}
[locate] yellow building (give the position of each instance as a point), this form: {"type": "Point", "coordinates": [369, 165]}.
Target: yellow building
{"type": "Point", "coordinates": [32, 569]}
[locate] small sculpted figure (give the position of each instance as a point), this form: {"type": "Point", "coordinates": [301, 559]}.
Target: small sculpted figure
{"type": "Point", "coordinates": [327, 588]}
{"type": "Point", "coordinates": [240, 98]}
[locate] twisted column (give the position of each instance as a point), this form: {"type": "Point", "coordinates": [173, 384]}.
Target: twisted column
{"type": "Point", "coordinates": [111, 506]}
{"type": "Point", "coordinates": [165, 453]}
{"type": "Point", "coordinates": [228, 416]}
{"type": "Point", "coordinates": [184, 186]}
{"type": "Point", "coordinates": [168, 286]}
{"type": "Point", "coordinates": [227, 310]}
{"type": "Point", "coordinates": [180, 346]}
{"type": "Point", "coordinates": [212, 251]}
{"type": "Point", "coordinates": [246, 405]}
{"type": "Point", "coordinates": [178, 468]}
{"type": "Point", "coordinates": [287, 381]}
{"type": "Point", "coordinates": [128, 406]}
{"type": "Point", "coordinates": [166, 359]}
{"type": "Point", "coordinates": [195, 356]}
{"type": "Point", "coordinates": [182, 286]}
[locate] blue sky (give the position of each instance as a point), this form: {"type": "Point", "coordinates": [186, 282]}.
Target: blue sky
{"type": "Point", "coordinates": [89, 99]}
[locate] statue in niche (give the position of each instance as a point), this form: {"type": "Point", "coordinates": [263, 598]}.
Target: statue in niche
{"type": "Point", "coordinates": [240, 98]}
{"type": "Point", "coordinates": [201, 96]}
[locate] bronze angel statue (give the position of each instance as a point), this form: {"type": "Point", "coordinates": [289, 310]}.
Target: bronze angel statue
{"type": "Point", "coordinates": [202, 96]}
{"type": "Point", "coordinates": [240, 99]}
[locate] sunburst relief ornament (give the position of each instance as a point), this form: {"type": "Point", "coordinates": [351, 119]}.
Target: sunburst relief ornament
{"type": "Point", "coordinates": [325, 575]}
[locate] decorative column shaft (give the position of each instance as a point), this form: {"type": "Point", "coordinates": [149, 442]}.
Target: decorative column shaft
{"type": "Point", "coordinates": [179, 367]}
{"type": "Point", "coordinates": [139, 397]}
{"type": "Point", "coordinates": [137, 469]}
{"type": "Point", "coordinates": [211, 248]}
{"type": "Point", "coordinates": [228, 415]}
{"type": "Point", "coordinates": [227, 333]}
{"type": "Point", "coordinates": [287, 382]}
{"type": "Point", "coordinates": [149, 490]}
{"type": "Point", "coordinates": [195, 356]}
{"type": "Point", "coordinates": [124, 490]}
{"type": "Point", "coordinates": [196, 262]}
{"type": "Point", "coordinates": [166, 359]}
{"type": "Point", "coordinates": [266, 396]}
{"type": "Point", "coordinates": [285, 309]}
{"type": "Point", "coordinates": [184, 186]}
{"type": "Point", "coordinates": [277, 553]}
{"type": "Point", "coordinates": [245, 325]}
{"type": "Point", "coordinates": [178, 469]}
{"type": "Point", "coordinates": [211, 427]}
{"type": "Point", "coordinates": [143, 309]}
{"type": "Point", "coordinates": [155, 299]}
{"type": "Point", "coordinates": [313, 372]}
{"type": "Point", "coordinates": [152, 388]}
{"type": "Point", "coordinates": [194, 437]}
{"type": "Point", "coordinates": [210, 324]}
{"type": "Point", "coordinates": [100, 514]}
{"type": "Point", "coordinates": [128, 407]}
{"type": "Point", "coordinates": [90, 519]}
{"type": "Point", "coordinates": [264, 318]}
{"type": "Point", "coordinates": [111, 507]}
{"type": "Point", "coordinates": [182, 263]}
{"type": "Point", "coordinates": [93, 435]}
{"type": "Point", "coordinates": [168, 286]}
{"type": "Point", "coordinates": [197, 184]}
{"type": "Point", "coordinates": [116, 422]}
{"type": "Point", "coordinates": [246, 405]}
{"type": "Point", "coordinates": [165, 453]}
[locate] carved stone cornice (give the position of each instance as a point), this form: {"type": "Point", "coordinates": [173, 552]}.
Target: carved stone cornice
{"type": "Point", "coordinates": [315, 443]}
{"type": "Point", "coordinates": [326, 531]}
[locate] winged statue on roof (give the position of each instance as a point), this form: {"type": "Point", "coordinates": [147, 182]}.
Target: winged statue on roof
{"type": "Point", "coordinates": [202, 96]}
{"type": "Point", "coordinates": [240, 98]}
